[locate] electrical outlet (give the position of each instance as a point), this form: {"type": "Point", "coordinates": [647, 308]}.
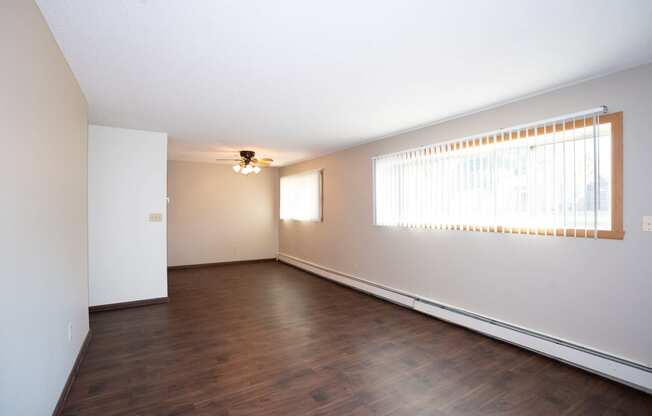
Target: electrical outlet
{"type": "Point", "coordinates": [69, 331]}
{"type": "Point", "coordinates": [647, 223]}
{"type": "Point", "coordinates": [155, 217]}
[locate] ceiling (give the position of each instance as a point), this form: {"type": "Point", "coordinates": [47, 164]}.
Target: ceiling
{"type": "Point", "coordinates": [294, 79]}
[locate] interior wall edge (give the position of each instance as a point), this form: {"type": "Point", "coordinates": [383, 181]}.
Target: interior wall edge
{"type": "Point", "coordinates": [616, 368]}
{"type": "Point", "coordinates": [127, 187]}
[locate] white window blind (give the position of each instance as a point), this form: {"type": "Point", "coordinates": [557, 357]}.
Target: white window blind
{"type": "Point", "coordinates": [551, 177]}
{"type": "Point", "coordinates": [300, 196]}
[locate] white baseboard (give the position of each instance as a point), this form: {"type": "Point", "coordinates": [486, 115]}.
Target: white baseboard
{"type": "Point", "coordinates": [627, 372]}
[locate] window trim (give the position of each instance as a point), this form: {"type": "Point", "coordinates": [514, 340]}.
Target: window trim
{"type": "Point", "coordinates": [615, 233]}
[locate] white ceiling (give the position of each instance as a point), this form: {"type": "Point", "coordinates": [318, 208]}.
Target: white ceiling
{"type": "Point", "coordinates": [294, 78]}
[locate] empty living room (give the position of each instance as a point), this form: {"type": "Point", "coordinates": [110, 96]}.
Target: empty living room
{"type": "Point", "coordinates": [303, 208]}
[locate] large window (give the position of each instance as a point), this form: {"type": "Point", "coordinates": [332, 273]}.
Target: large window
{"type": "Point", "coordinates": [301, 196]}
{"type": "Point", "coordinates": [560, 177]}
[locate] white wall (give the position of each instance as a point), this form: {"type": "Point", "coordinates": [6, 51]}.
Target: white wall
{"type": "Point", "coordinates": [43, 279]}
{"type": "Point", "coordinates": [126, 182]}
{"type": "Point", "coordinates": [592, 293]}
{"type": "Point", "coordinates": [216, 215]}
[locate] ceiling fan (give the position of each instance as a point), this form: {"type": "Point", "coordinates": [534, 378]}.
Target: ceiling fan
{"type": "Point", "coordinates": [248, 163]}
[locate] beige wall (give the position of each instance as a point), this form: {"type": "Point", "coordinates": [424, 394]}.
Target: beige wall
{"type": "Point", "coordinates": [216, 215]}
{"type": "Point", "coordinates": [594, 293]}
{"type": "Point", "coordinates": [43, 282]}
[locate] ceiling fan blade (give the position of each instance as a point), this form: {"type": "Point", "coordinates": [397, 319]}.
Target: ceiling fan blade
{"type": "Point", "coordinates": [228, 158]}
{"type": "Point", "coordinates": [263, 162]}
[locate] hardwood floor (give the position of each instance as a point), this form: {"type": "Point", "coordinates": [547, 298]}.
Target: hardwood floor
{"type": "Point", "coordinates": [268, 339]}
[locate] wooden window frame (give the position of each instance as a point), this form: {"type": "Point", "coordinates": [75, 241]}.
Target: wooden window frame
{"type": "Point", "coordinates": [616, 232]}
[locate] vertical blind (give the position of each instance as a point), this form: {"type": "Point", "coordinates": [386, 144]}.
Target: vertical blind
{"type": "Point", "coordinates": [550, 177]}
{"type": "Point", "coordinates": [300, 196]}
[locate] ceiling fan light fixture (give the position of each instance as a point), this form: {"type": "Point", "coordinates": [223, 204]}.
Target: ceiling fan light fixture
{"type": "Point", "coordinates": [248, 163]}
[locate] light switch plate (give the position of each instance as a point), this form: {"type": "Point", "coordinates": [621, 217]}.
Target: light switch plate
{"type": "Point", "coordinates": [155, 217]}
{"type": "Point", "coordinates": [647, 223]}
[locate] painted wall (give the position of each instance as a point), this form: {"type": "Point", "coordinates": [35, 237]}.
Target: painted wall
{"type": "Point", "coordinates": [126, 182]}
{"type": "Point", "coordinates": [594, 293]}
{"type": "Point", "coordinates": [43, 283]}
{"type": "Point", "coordinates": [216, 215]}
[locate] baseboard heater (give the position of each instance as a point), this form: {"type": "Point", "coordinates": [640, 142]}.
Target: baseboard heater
{"type": "Point", "coordinates": [631, 373]}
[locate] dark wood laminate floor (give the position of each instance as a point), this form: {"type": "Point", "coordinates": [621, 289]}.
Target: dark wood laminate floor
{"type": "Point", "coordinates": [268, 339]}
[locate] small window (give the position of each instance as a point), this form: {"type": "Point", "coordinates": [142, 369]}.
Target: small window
{"type": "Point", "coordinates": [562, 177]}
{"type": "Point", "coordinates": [301, 196]}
